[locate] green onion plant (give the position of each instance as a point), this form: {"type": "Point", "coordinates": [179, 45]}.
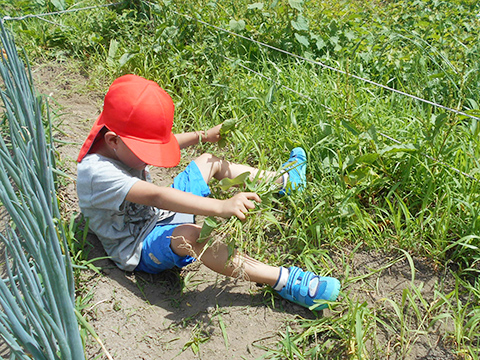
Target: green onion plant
{"type": "Point", "coordinates": [37, 294]}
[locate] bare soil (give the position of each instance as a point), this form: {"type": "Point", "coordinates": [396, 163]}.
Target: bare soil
{"type": "Point", "coordinates": [194, 313]}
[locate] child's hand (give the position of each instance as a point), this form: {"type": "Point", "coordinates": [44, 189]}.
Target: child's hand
{"type": "Point", "coordinates": [239, 205]}
{"type": "Point", "coordinates": [212, 135]}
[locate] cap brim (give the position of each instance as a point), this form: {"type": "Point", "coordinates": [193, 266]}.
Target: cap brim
{"type": "Point", "coordinates": [162, 155]}
{"type": "Point", "coordinates": [87, 145]}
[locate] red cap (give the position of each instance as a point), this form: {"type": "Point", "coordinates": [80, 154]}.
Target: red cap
{"type": "Point", "coordinates": [141, 113]}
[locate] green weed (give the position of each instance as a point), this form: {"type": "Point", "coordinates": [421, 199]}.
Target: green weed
{"type": "Point", "coordinates": [385, 171]}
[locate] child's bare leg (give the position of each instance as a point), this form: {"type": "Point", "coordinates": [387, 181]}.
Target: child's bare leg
{"type": "Point", "coordinates": [213, 167]}
{"type": "Point", "coordinates": [294, 284]}
{"type": "Point", "coordinates": [184, 242]}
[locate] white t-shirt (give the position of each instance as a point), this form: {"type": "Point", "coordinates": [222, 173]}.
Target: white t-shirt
{"type": "Point", "coordinates": [121, 226]}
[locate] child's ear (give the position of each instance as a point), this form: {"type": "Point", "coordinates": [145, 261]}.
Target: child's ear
{"type": "Point", "coordinates": [111, 139]}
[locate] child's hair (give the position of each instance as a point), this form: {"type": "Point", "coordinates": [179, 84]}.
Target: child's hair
{"type": "Point", "coordinates": [98, 138]}
{"type": "Point", "coordinates": [141, 113]}
{"type": "Point", "coordinates": [101, 134]}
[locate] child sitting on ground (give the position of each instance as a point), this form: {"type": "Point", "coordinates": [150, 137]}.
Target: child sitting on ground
{"type": "Point", "coordinates": [145, 227]}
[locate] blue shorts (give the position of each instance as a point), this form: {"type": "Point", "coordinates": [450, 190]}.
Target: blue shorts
{"type": "Point", "coordinates": [157, 254]}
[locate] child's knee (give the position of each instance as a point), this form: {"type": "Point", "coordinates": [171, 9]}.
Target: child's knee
{"type": "Point", "coordinates": [204, 158]}
{"type": "Point", "coordinates": [209, 165]}
{"type": "Point", "coordinates": [184, 240]}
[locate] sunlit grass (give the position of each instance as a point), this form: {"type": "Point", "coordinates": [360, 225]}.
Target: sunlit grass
{"type": "Point", "coordinates": [385, 171]}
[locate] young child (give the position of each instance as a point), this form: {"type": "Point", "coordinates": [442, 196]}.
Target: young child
{"type": "Point", "coordinates": [150, 228]}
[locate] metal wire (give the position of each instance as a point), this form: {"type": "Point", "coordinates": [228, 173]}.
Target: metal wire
{"type": "Point", "coordinates": [344, 73]}
{"type": "Point", "coordinates": [40, 16]}
{"type": "Point", "coordinates": [380, 133]}
{"type": "Point", "coordinates": [326, 66]}
{"type": "Point", "coordinates": [458, 112]}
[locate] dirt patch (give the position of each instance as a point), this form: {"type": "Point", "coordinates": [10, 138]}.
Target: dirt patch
{"type": "Point", "coordinates": [196, 313]}
{"type": "Point", "coordinates": [403, 294]}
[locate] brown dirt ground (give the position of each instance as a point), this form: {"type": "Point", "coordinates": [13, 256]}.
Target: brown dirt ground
{"type": "Point", "coordinates": [140, 316]}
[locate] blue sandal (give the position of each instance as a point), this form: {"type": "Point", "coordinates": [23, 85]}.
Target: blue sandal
{"type": "Point", "coordinates": [296, 166]}
{"type": "Point", "coordinates": [304, 288]}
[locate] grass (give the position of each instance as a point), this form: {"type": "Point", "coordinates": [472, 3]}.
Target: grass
{"type": "Point", "coordinates": [367, 192]}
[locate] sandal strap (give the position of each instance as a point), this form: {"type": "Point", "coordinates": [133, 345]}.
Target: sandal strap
{"type": "Point", "coordinates": [295, 272]}
{"type": "Point", "coordinates": [304, 285]}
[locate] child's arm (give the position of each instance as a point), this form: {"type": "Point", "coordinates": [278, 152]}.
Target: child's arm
{"type": "Point", "coordinates": [167, 198]}
{"type": "Point", "coordinates": [194, 137]}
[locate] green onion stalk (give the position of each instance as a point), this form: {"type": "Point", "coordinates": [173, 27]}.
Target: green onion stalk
{"type": "Point", "coordinates": [37, 292]}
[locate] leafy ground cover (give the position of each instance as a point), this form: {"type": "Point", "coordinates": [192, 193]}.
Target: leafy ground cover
{"type": "Point", "coordinates": [391, 179]}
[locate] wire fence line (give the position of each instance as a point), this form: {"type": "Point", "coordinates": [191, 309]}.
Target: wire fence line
{"type": "Point", "coordinates": [328, 67]}
{"type": "Point", "coordinates": [40, 16]}
{"type": "Point", "coordinates": [458, 112]}
{"type": "Point", "coordinates": [380, 133]}
{"type": "Point", "coordinates": [314, 62]}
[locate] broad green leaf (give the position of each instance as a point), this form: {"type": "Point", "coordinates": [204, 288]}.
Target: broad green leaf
{"type": "Point", "coordinates": [296, 4]}
{"type": "Point", "coordinates": [320, 43]}
{"type": "Point", "coordinates": [473, 103]}
{"type": "Point", "coordinates": [348, 161]}
{"type": "Point", "coordinates": [258, 5]}
{"type": "Point", "coordinates": [334, 40]}
{"type": "Point", "coordinates": [112, 50]}
{"type": "Point", "coordinates": [474, 128]}
{"type": "Point", "coordinates": [437, 75]}
{"type": "Point", "coordinates": [209, 224]}
{"type": "Point", "coordinates": [350, 35]}
{"type": "Point", "coordinates": [367, 158]}
{"type": "Point", "coordinates": [237, 25]}
{"type": "Point", "coordinates": [474, 112]}
{"type": "Point", "coordinates": [302, 40]}
{"type": "Point", "coordinates": [228, 125]}
{"type": "Point", "coordinates": [125, 58]}
{"type": "Point", "coordinates": [410, 148]}
{"type": "Point", "coordinates": [359, 331]}
{"type": "Point", "coordinates": [227, 183]}
{"type": "Point", "coordinates": [58, 4]}
{"type": "Point", "coordinates": [356, 176]}
{"type": "Point", "coordinates": [301, 24]}
{"type": "Point", "coordinates": [333, 27]}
